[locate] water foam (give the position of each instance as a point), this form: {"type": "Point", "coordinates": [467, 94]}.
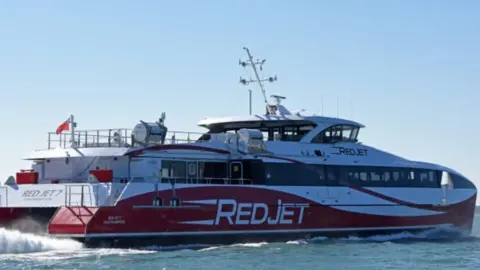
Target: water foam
{"type": "Point", "coordinates": [252, 245]}
{"type": "Point", "coordinates": [12, 241]}
{"type": "Point", "coordinates": [442, 233]}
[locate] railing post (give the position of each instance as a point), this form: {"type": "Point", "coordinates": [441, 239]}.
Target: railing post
{"type": "Point", "coordinates": [96, 196]}
{"type": "Point", "coordinates": [81, 197]}
{"type": "Point", "coordinates": [66, 196]}
{"type": "Point", "coordinates": [49, 135]}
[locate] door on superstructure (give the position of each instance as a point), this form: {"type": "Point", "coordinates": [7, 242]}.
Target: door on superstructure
{"type": "Point", "coordinates": [192, 172]}
{"type": "Point", "coordinates": [236, 172]}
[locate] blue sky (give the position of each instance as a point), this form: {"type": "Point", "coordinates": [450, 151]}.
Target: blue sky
{"type": "Point", "coordinates": [410, 68]}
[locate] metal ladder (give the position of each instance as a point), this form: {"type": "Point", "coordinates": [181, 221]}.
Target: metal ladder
{"type": "Point", "coordinates": [82, 190]}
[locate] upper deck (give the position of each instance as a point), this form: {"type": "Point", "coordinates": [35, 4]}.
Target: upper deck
{"type": "Point", "coordinates": [117, 137]}
{"type": "Point", "coordinates": [122, 137]}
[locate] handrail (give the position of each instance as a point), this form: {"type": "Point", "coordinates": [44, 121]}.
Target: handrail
{"type": "Point", "coordinates": [206, 180]}
{"type": "Point", "coordinates": [88, 192]}
{"type": "Point", "coordinates": [105, 138]}
{"type": "Point", "coordinates": [82, 193]}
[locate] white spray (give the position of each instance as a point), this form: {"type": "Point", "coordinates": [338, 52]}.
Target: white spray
{"type": "Point", "coordinates": [12, 241]}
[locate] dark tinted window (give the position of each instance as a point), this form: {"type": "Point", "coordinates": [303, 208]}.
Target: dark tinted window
{"type": "Point", "coordinates": [173, 169]}
{"type": "Point", "coordinates": [369, 176]}
{"type": "Point", "coordinates": [337, 133]}
{"type": "Point", "coordinates": [365, 176]}
{"type": "Point", "coordinates": [292, 174]}
{"type": "Point", "coordinates": [461, 182]}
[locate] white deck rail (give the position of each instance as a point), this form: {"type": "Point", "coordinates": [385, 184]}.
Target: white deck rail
{"type": "Point", "coordinates": [119, 137]}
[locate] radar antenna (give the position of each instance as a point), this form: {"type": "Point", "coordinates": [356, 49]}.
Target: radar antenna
{"type": "Point", "coordinates": [254, 64]}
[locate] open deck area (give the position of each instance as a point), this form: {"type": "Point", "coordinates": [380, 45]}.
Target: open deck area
{"type": "Point", "coordinates": [120, 137]}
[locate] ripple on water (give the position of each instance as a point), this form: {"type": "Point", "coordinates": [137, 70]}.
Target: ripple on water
{"type": "Point", "coordinates": [398, 251]}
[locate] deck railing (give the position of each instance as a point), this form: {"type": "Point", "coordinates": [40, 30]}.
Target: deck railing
{"type": "Point", "coordinates": [80, 195]}
{"type": "Point", "coordinates": [119, 137]}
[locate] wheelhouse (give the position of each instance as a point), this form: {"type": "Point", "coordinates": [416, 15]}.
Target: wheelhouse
{"type": "Point", "coordinates": [314, 129]}
{"type": "Point", "coordinates": [337, 133]}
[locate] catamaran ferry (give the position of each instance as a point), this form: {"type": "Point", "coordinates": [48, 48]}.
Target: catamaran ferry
{"type": "Point", "coordinates": [271, 177]}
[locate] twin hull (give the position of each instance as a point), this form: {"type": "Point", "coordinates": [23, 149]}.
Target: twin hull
{"type": "Point", "coordinates": [229, 213]}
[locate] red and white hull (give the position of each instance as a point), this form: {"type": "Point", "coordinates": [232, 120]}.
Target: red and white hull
{"type": "Point", "coordinates": [228, 214]}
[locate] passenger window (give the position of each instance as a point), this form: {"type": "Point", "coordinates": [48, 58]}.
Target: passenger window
{"type": "Point", "coordinates": [337, 133]}
{"type": "Point", "coordinates": [374, 176]}
{"type": "Point", "coordinates": [386, 176]}
{"type": "Point", "coordinates": [354, 134]}
{"type": "Point", "coordinates": [347, 132]}
{"type": "Point", "coordinates": [423, 176]}
{"type": "Point", "coordinates": [287, 133]}
{"type": "Point", "coordinates": [176, 170]}
{"type": "Point", "coordinates": [353, 177]}
{"type": "Point", "coordinates": [396, 176]}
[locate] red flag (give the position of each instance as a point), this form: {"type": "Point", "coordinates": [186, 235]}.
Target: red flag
{"type": "Point", "coordinates": [64, 126]}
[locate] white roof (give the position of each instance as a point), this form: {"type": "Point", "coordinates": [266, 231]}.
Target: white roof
{"type": "Point", "coordinates": [209, 122]}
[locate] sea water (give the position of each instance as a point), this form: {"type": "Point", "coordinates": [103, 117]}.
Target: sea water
{"type": "Point", "coordinates": [398, 251]}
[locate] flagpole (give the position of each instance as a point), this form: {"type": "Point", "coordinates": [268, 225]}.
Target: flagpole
{"type": "Point", "coordinates": [72, 128]}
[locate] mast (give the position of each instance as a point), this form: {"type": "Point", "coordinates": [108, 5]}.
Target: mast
{"type": "Point", "coordinates": [258, 80]}
{"type": "Point", "coordinates": [250, 101]}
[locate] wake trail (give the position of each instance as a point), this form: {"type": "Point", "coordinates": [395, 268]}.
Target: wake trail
{"type": "Point", "coordinates": [12, 241]}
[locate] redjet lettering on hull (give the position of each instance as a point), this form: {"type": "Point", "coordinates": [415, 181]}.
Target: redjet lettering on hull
{"type": "Point", "coordinates": [42, 193]}
{"type": "Point", "coordinates": [258, 213]}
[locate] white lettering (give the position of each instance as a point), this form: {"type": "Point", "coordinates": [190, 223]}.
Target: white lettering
{"type": "Point", "coordinates": [256, 206]}
{"type": "Point", "coordinates": [228, 215]}
{"type": "Point", "coordinates": [248, 213]}
{"type": "Point", "coordinates": [240, 213]}
{"type": "Point", "coordinates": [300, 216]}
{"type": "Point", "coordinates": [111, 220]}
{"type": "Point", "coordinates": [277, 217]}
{"type": "Point", "coordinates": [284, 213]}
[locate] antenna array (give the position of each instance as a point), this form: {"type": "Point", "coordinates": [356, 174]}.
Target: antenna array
{"type": "Point", "coordinates": [254, 63]}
